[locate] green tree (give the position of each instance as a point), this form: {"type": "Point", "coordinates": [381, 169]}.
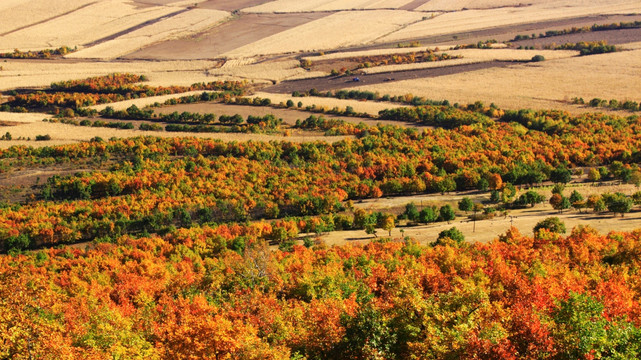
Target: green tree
{"type": "Point", "coordinates": [531, 198]}
{"type": "Point", "coordinates": [584, 332]}
{"type": "Point", "coordinates": [552, 224]}
{"type": "Point", "coordinates": [427, 215]}
{"type": "Point", "coordinates": [561, 175]}
{"type": "Point", "coordinates": [451, 233]}
{"type": "Point", "coordinates": [367, 336]}
{"type": "Point", "coordinates": [447, 213]}
{"type": "Point", "coordinates": [575, 196]}
{"type": "Point", "coordinates": [466, 204]}
{"type": "Point", "coordinates": [411, 212]}
{"type": "Point", "coordinates": [618, 203]}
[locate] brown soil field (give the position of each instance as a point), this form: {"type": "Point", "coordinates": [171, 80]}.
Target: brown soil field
{"type": "Point", "coordinates": [243, 30]}
{"type": "Point", "coordinates": [612, 37]}
{"type": "Point", "coordinates": [343, 82]}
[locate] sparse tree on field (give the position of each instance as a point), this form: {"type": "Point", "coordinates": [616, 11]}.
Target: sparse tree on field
{"type": "Point", "coordinates": [388, 223]}
{"type": "Point", "coordinates": [552, 224]}
{"type": "Point", "coordinates": [465, 204]}
{"type": "Point", "coordinates": [594, 175]}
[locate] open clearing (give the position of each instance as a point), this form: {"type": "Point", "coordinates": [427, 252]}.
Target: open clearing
{"type": "Point", "coordinates": [487, 230]}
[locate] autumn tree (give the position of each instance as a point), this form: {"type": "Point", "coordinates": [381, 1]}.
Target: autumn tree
{"type": "Point", "coordinates": [388, 223]}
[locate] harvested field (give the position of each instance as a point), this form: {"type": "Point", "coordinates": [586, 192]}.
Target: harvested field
{"type": "Point", "coordinates": [296, 6]}
{"type": "Point", "coordinates": [17, 118]}
{"type": "Point", "coordinates": [414, 5]}
{"type": "Point", "coordinates": [382, 81]}
{"type": "Point", "coordinates": [289, 116]}
{"type": "Point", "coordinates": [272, 71]}
{"type": "Point", "coordinates": [612, 37]}
{"type": "Point", "coordinates": [474, 20]}
{"type": "Point", "coordinates": [369, 107]}
{"type": "Point", "coordinates": [142, 102]}
{"type": "Point", "coordinates": [230, 5]}
{"type": "Point", "coordinates": [98, 20]}
{"type": "Point", "coordinates": [338, 30]}
{"type": "Point", "coordinates": [243, 30]}
{"type": "Point", "coordinates": [472, 56]}
{"type": "Point", "coordinates": [68, 134]}
{"type": "Point", "coordinates": [21, 14]}
{"type": "Point", "coordinates": [458, 5]}
{"type": "Point", "coordinates": [373, 52]}
{"type": "Point", "coordinates": [544, 85]}
{"type": "Point", "coordinates": [36, 73]}
{"type": "Point", "coordinates": [180, 25]}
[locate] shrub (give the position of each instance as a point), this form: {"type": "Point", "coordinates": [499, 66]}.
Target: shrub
{"type": "Point", "coordinates": [538, 58]}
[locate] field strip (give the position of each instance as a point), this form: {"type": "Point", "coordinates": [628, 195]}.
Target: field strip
{"type": "Point", "coordinates": [374, 52]}
{"type": "Point", "coordinates": [471, 20]}
{"type": "Point", "coordinates": [181, 23]}
{"type": "Point", "coordinates": [83, 26]}
{"type": "Point", "coordinates": [294, 6]}
{"type": "Point", "coordinates": [337, 31]}
{"type": "Point", "coordinates": [49, 19]}
{"type": "Point", "coordinates": [370, 107]}
{"type": "Point", "coordinates": [23, 117]}
{"type": "Point", "coordinates": [68, 134]}
{"type": "Point", "coordinates": [38, 73]}
{"type": "Point", "coordinates": [134, 28]}
{"type": "Point", "coordinates": [142, 102]}
{"type": "Point", "coordinates": [473, 56]}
